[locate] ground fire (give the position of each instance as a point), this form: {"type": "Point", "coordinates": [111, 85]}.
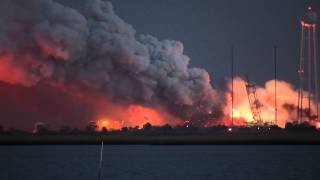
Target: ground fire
{"type": "Point", "coordinates": [76, 66]}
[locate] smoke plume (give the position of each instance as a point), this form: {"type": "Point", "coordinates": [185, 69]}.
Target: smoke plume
{"type": "Point", "coordinates": [71, 66]}
{"type": "Point", "coordinates": [94, 56]}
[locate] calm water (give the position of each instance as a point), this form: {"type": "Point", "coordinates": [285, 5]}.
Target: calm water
{"type": "Point", "coordinates": [160, 162]}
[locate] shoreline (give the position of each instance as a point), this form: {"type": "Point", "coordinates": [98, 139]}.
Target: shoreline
{"type": "Point", "coordinates": [214, 139]}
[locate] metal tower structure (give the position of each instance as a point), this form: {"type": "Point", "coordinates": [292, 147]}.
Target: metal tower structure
{"type": "Point", "coordinates": [308, 67]}
{"type": "Point", "coordinates": [254, 102]}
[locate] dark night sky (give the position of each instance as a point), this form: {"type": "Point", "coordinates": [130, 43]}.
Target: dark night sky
{"type": "Point", "coordinates": [208, 28]}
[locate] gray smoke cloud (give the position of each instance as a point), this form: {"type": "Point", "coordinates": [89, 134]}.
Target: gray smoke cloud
{"type": "Point", "coordinates": [42, 40]}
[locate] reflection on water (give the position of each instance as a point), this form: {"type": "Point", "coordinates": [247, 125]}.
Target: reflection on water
{"type": "Point", "coordinates": [160, 162]}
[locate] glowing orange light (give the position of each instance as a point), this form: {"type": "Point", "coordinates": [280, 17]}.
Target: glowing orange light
{"type": "Point", "coordinates": [105, 123]}
{"type": "Point", "coordinates": [108, 123]}
{"type": "Point", "coordinates": [307, 25]}
{"type": "Point", "coordinates": [140, 115]}
{"type": "Point", "coordinates": [242, 115]}
{"type": "Point", "coordinates": [135, 115]}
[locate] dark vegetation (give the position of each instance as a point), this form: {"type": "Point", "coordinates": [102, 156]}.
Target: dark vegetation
{"type": "Point", "coordinates": [148, 134]}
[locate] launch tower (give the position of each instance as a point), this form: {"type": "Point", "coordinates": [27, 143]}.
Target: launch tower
{"type": "Point", "coordinates": [308, 67]}
{"type": "Point", "coordinates": [254, 102]}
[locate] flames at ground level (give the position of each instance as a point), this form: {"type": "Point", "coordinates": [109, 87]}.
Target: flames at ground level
{"type": "Point", "coordinates": [137, 115]}
{"type": "Point", "coordinates": [22, 107]}
{"type": "Point", "coordinates": [73, 66]}
{"type": "Point", "coordinates": [242, 115]}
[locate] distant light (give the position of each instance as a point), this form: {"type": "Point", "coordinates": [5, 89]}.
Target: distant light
{"type": "Point", "coordinates": [230, 129]}
{"type": "Point", "coordinates": [309, 8]}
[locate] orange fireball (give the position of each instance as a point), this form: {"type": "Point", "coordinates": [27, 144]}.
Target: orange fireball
{"type": "Point", "coordinates": [109, 124]}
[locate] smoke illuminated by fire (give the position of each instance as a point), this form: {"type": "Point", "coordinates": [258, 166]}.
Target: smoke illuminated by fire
{"type": "Point", "coordinates": [108, 124]}
{"type": "Point", "coordinates": [70, 66]}
{"type": "Point", "coordinates": [137, 115]}
{"type": "Point", "coordinates": [286, 97]}
{"type": "Point", "coordinates": [96, 59]}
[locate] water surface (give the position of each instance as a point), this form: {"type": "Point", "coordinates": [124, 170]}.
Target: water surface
{"type": "Point", "coordinates": [160, 162]}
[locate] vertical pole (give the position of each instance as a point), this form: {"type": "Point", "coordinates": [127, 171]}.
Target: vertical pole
{"type": "Point", "coordinates": [232, 87]}
{"type": "Point", "coordinates": [301, 76]}
{"type": "Point", "coordinates": [315, 63]}
{"type": "Point", "coordinates": [275, 87]}
{"type": "Point", "coordinates": [309, 61]}
{"type": "Point", "coordinates": [101, 158]}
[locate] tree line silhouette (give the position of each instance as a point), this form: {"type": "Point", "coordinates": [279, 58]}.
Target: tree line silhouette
{"type": "Point", "coordinates": [150, 130]}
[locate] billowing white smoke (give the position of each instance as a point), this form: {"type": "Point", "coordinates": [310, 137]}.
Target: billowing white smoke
{"type": "Point", "coordinates": [42, 40]}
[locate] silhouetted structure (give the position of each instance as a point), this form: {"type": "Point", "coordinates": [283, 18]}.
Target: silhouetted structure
{"type": "Point", "coordinates": [92, 127]}
{"type": "Point", "coordinates": [41, 128]}
{"type": "Point", "coordinates": [147, 127]}
{"type": "Point", "coordinates": [253, 102]}
{"type": "Point", "coordinates": [308, 68]}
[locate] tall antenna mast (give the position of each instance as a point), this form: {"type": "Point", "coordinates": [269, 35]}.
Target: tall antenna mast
{"type": "Point", "coordinates": [232, 88]}
{"type": "Point", "coordinates": [315, 60]}
{"type": "Point", "coordinates": [275, 87]}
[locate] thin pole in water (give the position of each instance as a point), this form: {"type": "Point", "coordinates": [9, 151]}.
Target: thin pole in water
{"type": "Point", "coordinates": [101, 158]}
